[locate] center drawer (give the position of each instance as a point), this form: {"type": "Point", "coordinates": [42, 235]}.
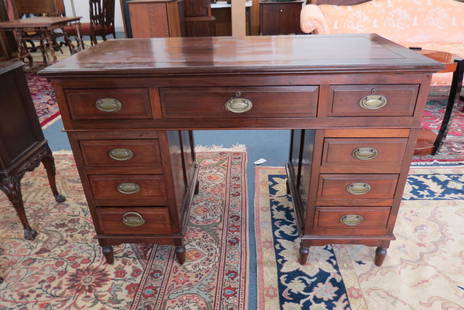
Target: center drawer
{"type": "Point", "coordinates": [229, 102]}
{"type": "Point", "coordinates": [133, 190]}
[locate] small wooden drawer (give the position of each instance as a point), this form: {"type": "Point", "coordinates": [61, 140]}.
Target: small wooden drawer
{"type": "Point", "coordinates": [373, 100]}
{"type": "Point", "coordinates": [358, 189]}
{"type": "Point", "coordinates": [229, 102]}
{"type": "Point", "coordinates": [117, 190]}
{"type": "Point", "coordinates": [128, 153]}
{"type": "Point", "coordinates": [351, 221]}
{"type": "Point", "coordinates": [133, 220]}
{"type": "Point", "coordinates": [358, 155]}
{"type": "Point", "coordinates": [131, 103]}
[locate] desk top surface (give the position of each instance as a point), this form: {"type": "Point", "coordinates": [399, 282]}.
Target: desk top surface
{"type": "Point", "coordinates": [41, 21]}
{"type": "Point", "coordinates": [226, 55]}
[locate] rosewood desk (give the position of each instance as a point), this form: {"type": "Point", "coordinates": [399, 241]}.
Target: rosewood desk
{"type": "Point", "coordinates": [353, 103]}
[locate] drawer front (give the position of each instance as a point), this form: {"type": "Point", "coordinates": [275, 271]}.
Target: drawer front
{"type": "Point", "coordinates": [359, 153]}
{"type": "Point", "coordinates": [128, 189]}
{"type": "Point", "coordinates": [131, 103]}
{"type": "Point", "coordinates": [127, 153]}
{"type": "Point", "coordinates": [351, 221]}
{"type": "Point", "coordinates": [373, 100]}
{"type": "Point", "coordinates": [128, 221]}
{"type": "Point", "coordinates": [230, 102]}
{"type": "Point", "coordinates": [340, 188]}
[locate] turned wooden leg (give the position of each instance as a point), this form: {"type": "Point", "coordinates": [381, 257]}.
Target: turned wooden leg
{"type": "Point", "coordinates": [197, 188]}
{"type": "Point", "coordinates": [107, 251]}
{"type": "Point", "coordinates": [304, 253]}
{"type": "Point", "coordinates": [180, 253]}
{"type": "Point", "coordinates": [380, 254]}
{"type": "Point", "coordinates": [51, 46]}
{"type": "Point", "coordinates": [288, 187]}
{"type": "Point", "coordinates": [49, 164]}
{"type": "Point", "coordinates": [11, 186]}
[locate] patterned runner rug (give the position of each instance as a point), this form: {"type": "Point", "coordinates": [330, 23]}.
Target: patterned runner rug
{"type": "Point", "coordinates": [64, 269]}
{"type": "Point", "coordinates": [43, 97]}
{"type": "Point", "coordinates": [422, 270]}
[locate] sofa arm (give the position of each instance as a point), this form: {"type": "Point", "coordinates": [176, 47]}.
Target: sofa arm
{"type": "Point", "coordinates": [312, 20]}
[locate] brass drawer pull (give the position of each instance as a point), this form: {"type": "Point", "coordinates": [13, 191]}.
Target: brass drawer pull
{"type": "Point", "coordinates": [128, 188]}
{"type": "Point", "coordinates": [108, 105]}
{"type": "Point", "coordinates": [373, 102]}
{"type": "Point", "coordinates": [238, 105]}
{"type": "Point", "coordinates": [365, 153]}
{"type": "Point", "coordinates": [121, 154]}
{"type": "Point", "coordinates": [351, 219]}
{"type": "Point", "coordinates": [358, 188]}
{"type": "Point", "coordinates": [133, 219]}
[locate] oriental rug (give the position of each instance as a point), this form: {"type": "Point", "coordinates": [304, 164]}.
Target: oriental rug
{"type": "Point", "coordinates": [43, 97]}
{"type": "Point", "coordinates": [453, 145]}
{"type": "Point", "coordinates": [422, 270]}
{"type": "Point", "coordinates": [64, 269]}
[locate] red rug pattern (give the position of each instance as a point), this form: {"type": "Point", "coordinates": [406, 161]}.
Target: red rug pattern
{"type": "Point", "coordinates": [63, 268]}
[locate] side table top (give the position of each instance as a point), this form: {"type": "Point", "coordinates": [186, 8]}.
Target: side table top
{"type": "Point", "coordinates": [443, 57]}
{"type": "Point", "coordinates": [37, 22]}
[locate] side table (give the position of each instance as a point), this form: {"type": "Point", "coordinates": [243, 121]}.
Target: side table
{"type": "Point", "coordinates": [22, 143]}
{"type": "Point", "coordinates": [428, 142]}
{"type": "Point", "coordinates": [45, 27]}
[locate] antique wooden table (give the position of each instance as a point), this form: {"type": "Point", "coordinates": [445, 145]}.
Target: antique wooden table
{"type": "Point", "coordinates": [353, 102]}
{"type": "Point", "coordinates": [44, 26]}
{"type": "Point", "coordinates": [428, 142]}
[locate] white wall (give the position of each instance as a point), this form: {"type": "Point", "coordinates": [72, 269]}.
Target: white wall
{"type": "Point", "coordinates": [82, 9]}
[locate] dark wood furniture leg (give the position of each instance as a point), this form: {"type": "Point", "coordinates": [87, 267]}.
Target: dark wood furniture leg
{"type": "Point", "coordinates": [107, 251]}
{"type": "Point", "coordinates": [455, 91]}
{"type": "Point", "coordinates": [180, 253]}
{"type": "Point", "coordinates": [304, 254]}
{"type": "Point", "coordinates": [11, 186]}
{"type": "Point", "coordinates": [49, 164]}
{"type": "Point", "coordinates": [380, 254]}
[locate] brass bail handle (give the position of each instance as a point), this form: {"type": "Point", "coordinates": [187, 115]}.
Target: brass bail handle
{"type": "Point", "coordinates": [351, 219]}
{"type": "Point", "coordinates": [237, 104]}
{"type": "Point", "coordinates": [128, 188]}
{"type": "Point", "coordinates": [133, 219]}
{"type": "Point", "coordinates": [121, 154]}
{"type": "Point", "coordinates": [108, 105]}
{"type": "Point", "coordinates": [358, 188]}
{"type": "Point", "coordinates": [373, 101]}
{"type": "Point", "coordinates": [365, 153]}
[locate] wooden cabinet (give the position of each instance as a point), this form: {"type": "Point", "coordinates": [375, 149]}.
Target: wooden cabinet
{"type": "Point", "coordinates": [280, 17]}
{"type": "Point", "coordinates": [156, 18]}
{"type": "Point", "coordinates": [22, 143]}
{"type": "Point", "coordinates": [354, 126]}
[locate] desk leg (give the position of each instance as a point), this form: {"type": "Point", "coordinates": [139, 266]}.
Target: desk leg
{"type": "Point", "coordinates": [11, 186]}
{"type": "Point", "coordinates": [455, 90]}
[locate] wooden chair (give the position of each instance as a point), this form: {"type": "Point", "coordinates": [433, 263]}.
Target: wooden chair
{"type": "Point", "coordinates": [101, 21]}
